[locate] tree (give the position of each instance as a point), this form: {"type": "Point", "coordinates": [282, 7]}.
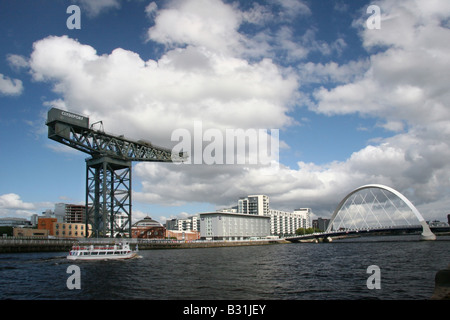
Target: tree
{"type": "Point", "coordinates": [301, 231]}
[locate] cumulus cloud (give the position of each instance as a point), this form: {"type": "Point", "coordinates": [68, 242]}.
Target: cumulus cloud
{"type": "Point", "coordinates": [208, 23]}
{"type": "Point", "coordinates": [406, 79]}
{"type": "Point", "coordinates": [403, 85]}
{"type": "Point", "coordinates": [10, 87]}
{"type": "Point", "coordinates": [17, 61]}
{"type": "Point", "coordinates": [214, 73]}
{"type": "Point", "coordinates": [152, 98]}
{"type": "Point", "coordinates": [12, 206]}
{"type": "Point", "coordinates": [13, 201]}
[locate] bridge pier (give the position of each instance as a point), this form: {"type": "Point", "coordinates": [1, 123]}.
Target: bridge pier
{"type": "Point", "coordinates": [327, 240]}
{"type": "Point", "coordinates": [427, 234]}
{"type": "Point", "coordinates": [428, 237]}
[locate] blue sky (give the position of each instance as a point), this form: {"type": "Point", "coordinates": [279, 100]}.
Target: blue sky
{"type": "Point", "coordinates": [353, 105]}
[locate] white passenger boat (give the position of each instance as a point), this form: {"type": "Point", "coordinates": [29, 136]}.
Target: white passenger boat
{"type": "Point", "coordinates": [102, 252]}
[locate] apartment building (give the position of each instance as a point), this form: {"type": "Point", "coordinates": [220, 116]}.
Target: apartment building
{"type": "Point", "coordinates": [254, 204]}
{"type": "Point", "coordinates": [233, 226]}
{"type": "Point", "coordinates": [282, 223]}
{"type": "Point", "coordinates": [187, 224]}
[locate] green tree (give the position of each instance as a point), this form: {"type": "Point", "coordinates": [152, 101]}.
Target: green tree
{"type": "Point", "coordinates": [301, 231]}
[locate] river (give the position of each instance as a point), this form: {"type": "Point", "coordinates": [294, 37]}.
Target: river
{"type": "Point", "coordinates": [301, 271]}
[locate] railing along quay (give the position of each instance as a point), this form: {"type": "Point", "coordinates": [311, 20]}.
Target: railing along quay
{"type": "Point", "coordinates": [12, 245]}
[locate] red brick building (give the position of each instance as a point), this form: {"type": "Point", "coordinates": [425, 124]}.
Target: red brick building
{"type": "Point", "coordinates": [47, 224]}
{"type": "Point", "coordinates": [148, 228]}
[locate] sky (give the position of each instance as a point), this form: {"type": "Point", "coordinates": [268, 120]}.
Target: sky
{"type": "Point", "coordinates": [356, 98]}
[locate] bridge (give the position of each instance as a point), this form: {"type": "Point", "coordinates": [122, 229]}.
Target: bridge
{"type": "Point", "coordinates": [372, 209]}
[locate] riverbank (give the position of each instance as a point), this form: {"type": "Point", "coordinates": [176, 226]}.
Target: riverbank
{"type": "Point", "coordinates": [62, 245]}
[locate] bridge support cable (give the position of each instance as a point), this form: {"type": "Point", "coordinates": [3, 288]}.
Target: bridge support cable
{"type": "Point", "coordinates": [362, 213]}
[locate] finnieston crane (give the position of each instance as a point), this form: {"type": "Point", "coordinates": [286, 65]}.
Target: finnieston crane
{"type": "Point", "coordinates": [108, 170]}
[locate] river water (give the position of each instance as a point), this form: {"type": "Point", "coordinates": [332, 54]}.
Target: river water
{"type": "Point", "coordinates": [303, 271]}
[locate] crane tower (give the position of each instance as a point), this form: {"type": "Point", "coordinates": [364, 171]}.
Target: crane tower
{"type": "Point", "coordinates": [108, 170]}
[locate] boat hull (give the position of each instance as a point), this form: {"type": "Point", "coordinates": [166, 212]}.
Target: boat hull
{"type": "Point", "coordinates": [103, 257]}
{"type": "Point", "coordinates": [102, 252]}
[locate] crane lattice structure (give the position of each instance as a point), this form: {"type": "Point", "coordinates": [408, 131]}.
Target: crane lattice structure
{"type": "Point", "coordinates": [108, 170]}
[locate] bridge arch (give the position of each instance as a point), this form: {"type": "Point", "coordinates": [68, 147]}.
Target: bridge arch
{"type": "Point", "coordinates": [426, 231]}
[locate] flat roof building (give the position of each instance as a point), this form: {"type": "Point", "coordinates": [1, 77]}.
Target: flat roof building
{"type": "Point", "coordinates": [233, 226]}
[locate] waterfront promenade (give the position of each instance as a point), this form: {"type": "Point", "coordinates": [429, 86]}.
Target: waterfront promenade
{"type": "Point", "coordinates": [16, 245]}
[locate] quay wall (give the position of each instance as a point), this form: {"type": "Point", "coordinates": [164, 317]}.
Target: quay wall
{"type": "Point", "coordinates": [63, 245]}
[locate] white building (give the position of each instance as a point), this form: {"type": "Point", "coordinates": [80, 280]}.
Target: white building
{"type": "Point", "coordinates": [282, 223]}
{"type": "Point", "coordinates": [306, 216]}
{"type": "Point", "coordinates": [188, 224]}
{"type": "Point", "coordinates": [286, 223]}
{"type": "Point", "coordinates": [233, 226]}
{"type": "Point", "coordinates": [254, 204]}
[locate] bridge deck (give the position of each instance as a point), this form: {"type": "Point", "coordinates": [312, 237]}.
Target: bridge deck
{"type": "Point", "coordinates": [349, 232]}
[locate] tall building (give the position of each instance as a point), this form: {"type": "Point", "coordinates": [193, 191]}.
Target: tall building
{"type": "Point", "coordinates": [305, 214]}
{"type": "Point", "coordinates": [321, 224]}
{"type": "Point", "coordinates": [254, 204]}
{"type": "Point", "coordinates": [282, 223]}
{"type": "Point", "coordinates": [70, 213]}
{"type": "Point", "coordinates": [75, 213]}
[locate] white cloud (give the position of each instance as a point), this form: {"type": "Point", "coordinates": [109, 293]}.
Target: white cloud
{"type": "Point", "coordinates": [94, 8]}
{"type": "Point", "coordinates": [12, 206]}
{"type": "Point", "coordinates": [215, 76]}
{"type": "Point", "coordinates": [208, 23]}
{"type": "Point", "coordinates": [17, 61]}
{"type": "Point", "coordinates": [152, 98]}
{"type": "Point", "coordinates": [151, 9]}
{"type": "Point", "coordinates": [10, 87]}
{"type": "Point", "coordinates": [415, 166]}
{"type": "Point", "coordinates": [403, 84]}
{"type": "Point", "coordinates": [13, 201]}
{"type": "Point", "coordinates": [406, 80]}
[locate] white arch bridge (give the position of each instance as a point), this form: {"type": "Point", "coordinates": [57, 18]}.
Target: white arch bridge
{"type": "Point", "coordinates": [373, 208]}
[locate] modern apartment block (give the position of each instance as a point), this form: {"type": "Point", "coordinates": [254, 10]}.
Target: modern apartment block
{"type": "Point", "coordinates": [305, 214]}
{"type": "Point", "coordinates": [188, 224]}
{"type": "Point", "coordinates": [233, 226]}
{"type": "Point", "coordinates": [254, 204]}
{"type": "Point", "coordinates": [282, 223]}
